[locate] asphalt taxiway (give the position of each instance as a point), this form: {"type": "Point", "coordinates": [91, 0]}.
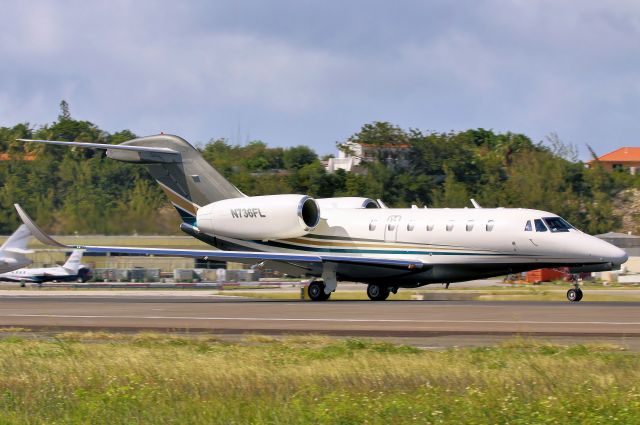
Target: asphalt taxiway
{"type": "Point", "coordinates": [200, 311]}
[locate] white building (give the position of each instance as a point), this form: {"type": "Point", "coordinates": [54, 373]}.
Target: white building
{"type": "Point", "coordinates": [352, 154]}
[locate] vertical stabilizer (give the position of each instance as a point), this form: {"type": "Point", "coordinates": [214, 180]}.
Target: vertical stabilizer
{"type": "Point", "coordinates": [186, 178]}
{"type": "Point", "coordinates": [17, 241]}
{"type": "Point", "coordinates": [73, 262]}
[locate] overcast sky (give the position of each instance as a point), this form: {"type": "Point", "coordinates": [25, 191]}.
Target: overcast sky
{"type": "Point", "coordinates": [312, 72]}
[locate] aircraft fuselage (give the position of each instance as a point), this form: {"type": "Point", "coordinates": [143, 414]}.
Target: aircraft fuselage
{"type": "Point", "coordinates": [454, 244]}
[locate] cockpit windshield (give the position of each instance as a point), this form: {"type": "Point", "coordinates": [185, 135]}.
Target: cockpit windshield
{"type": "Point", "coordinates": [557, 224]}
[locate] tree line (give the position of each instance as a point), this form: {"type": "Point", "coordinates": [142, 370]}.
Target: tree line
{"type": "Point", "coordinates": [69, 191]}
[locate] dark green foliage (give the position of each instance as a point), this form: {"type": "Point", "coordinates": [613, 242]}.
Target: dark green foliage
{"type": "Point", "coordinates": [68, 190]}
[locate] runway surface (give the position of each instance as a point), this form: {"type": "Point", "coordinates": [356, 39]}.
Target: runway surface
{"type": "Point", "coordinates": [236, 315]}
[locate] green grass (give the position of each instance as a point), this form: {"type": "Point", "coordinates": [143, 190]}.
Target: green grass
{"type": "Point", "coordinates": [104, 378]}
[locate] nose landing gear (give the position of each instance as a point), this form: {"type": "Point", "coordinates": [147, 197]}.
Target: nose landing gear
{"type": "Point", "coordinates": [574, 294]}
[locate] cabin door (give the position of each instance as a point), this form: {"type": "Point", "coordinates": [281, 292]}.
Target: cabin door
{"type": "Point", "coordinates": [391, 229]}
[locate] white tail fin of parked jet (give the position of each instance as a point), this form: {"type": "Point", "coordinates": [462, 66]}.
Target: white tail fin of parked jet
{"type": "Point", "coordinates": [13, 250]}
{"type": "Point", "coordinates": [17, 242]}
{"type": "Point", "coordinates": [72, 264]}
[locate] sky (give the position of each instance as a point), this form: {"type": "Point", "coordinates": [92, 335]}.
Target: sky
{"type": "Point", "coordinates": [313, 72]}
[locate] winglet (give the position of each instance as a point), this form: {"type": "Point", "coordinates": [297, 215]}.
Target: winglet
{"type": "Point", "coordinates": [35, 230]}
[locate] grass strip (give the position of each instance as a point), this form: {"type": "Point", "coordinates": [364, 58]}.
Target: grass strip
{"type": "Point", "coordinates": [105, 378]}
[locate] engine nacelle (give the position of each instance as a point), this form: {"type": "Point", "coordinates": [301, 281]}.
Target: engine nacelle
{"type": "Point", "coordinates": [347, 202]}
{"type": "Point", "coordinates": [260, 217]}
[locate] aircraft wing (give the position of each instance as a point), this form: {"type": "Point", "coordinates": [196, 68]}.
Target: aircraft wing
{"type": "Point", "coordinates": [310, 264]}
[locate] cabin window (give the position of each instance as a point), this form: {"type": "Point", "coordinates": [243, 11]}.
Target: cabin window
{"type": "Point", "coordinates": [430, 227]}
{"type": "Point", "coordinates": [540, 227]}
{"type": "Point", "coordinates": [391, 226]}
{"type": "Point", "coordinates": [372, 225]}
{"type": "Point", "coordinates": [490, 224]}
{"type": "Point", "coordinates": [410, 226]}
{"type": "Point", "coordinates": [450, 226]}
{"type": "Point", "coordinates": [469, 225]}
{"type": "Point", "coordinates": [527, 227]}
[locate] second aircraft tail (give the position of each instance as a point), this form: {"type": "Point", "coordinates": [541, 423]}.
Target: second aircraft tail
{"type": "Point", "coordinates": [72, 265]}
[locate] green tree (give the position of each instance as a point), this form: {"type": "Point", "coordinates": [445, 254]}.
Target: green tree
{"type": "Point", "coordinates": [298, 156]}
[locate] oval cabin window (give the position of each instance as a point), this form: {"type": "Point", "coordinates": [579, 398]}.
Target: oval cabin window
{"type": "Point", "coordinates": [469, 225]}
{"type": "Point", "coordinates": [490, 224]}
{"type": "Point", "coordinates": [450, 226]}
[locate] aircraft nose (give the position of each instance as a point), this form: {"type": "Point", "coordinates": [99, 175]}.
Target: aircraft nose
{"type": "Point", "coordinates": [612, 253]}
{"type": "Point", "coordinates": [619, 256]}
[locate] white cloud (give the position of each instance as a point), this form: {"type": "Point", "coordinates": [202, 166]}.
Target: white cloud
{"type": "Point", "coordinates": [291, 73]}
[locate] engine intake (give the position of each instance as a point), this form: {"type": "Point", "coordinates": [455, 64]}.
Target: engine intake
{"type": "Point", "coordinates": [260, 217]}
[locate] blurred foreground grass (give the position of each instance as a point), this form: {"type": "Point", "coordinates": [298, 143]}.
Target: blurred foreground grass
{"type": "Point", "coordinates": [104, 378]}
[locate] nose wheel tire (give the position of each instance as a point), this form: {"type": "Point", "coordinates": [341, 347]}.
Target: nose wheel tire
{"type": "Point", "coordinates": [377, 292]}
{"type": "Point", "coordinates": [574, 295]}
{"type": "Point", "coordinates": [316, 292]}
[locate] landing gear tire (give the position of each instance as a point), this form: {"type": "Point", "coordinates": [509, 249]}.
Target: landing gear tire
{"type": "Point", "coordinates": [574, 295]}
{"type": "Point", "coordinates": [377, 292]}
{"type": "Point", "coordinates": [316, 292]}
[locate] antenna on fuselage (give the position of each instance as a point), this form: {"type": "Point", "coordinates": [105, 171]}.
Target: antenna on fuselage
{"type": "Point", "coordinates": [475, 204]}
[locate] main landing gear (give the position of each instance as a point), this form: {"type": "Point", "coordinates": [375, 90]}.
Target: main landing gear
{"type": "Point", "coordinates": [321, 290]}
{"type": "Point", "coordinates": [377, 292]}
{"type": "Point", "coordinates": [316, 291]}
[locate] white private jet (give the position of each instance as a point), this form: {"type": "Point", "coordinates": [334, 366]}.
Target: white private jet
{"type": "Point", "coordinates": [71, 270]}
{"type": "Point", "coordinates": [13, 250]}
{"type": "Point", "coordinates": [350, 239]}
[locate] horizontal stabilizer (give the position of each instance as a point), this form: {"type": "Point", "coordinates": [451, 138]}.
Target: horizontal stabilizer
{"type": "Point", "coordinates": [103, 146]}
{"type": "Point", "coordinates": [125, 153]}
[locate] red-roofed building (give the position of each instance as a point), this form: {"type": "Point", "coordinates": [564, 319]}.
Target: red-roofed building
{"type": "Point", "coordinates": [621, 159]}
{"type": "Point", "coordinates": [7, 157]}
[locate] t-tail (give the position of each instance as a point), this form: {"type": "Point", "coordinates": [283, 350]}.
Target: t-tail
{"type": "Point", "coordinates": [185, 177]}
{"type": "Point", "coordinates": [72, 265]}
